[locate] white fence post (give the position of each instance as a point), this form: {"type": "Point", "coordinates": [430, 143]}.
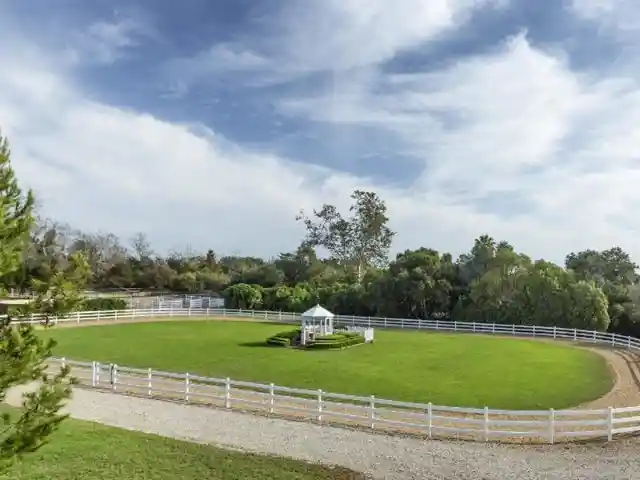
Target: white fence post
{"type": "Point", "coordinates": [93, 374]}
{"type": "Point", "coordinates": [372, 411]}
{"type": "Point", "coordinates": [552, 426]}
{"type": "Point", "coordinates": [610, 424]}
{"type": "Point", "coordinates": [63, 362]}
{"type": "Point", "coordinates": [430, 418]}
{"type": "Point", "coordinates": [114, 377]}
{"type": "Point", "coordinates": [98, 368]}
{"type": "Point", "coordinates": [272, 397]}
{"type": "Point", "coordinates": [186, 388]}
{"type": "Point", "coordinates": [575, 334]}
{"type": "Point", "coordinates": [319, 405]}
{"type": "Point", "coordinates": [115, 317]}
{"type": "Point", "coordinates": [486, 424]}
{"type": "Point", "coordinates": [227, 393]}
{"type": "Point", "coordinates": [78, 317]}
{"type": "Point", "coordinates": [149, 385]}
{"type": "Point", "coordinates": [554, 331]}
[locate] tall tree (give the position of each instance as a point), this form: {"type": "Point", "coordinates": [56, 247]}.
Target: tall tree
{"type": "Point", "coordinates": [23, 353]}
{"type": "Point", "coordinates": [362, 240]}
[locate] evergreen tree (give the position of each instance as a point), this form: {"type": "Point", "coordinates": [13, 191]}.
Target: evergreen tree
{"type": "Point", "coordinates": [23, 353]}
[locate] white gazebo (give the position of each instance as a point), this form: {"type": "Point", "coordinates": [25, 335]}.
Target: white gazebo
{"type": "Point", "coordinates": [317, 321]}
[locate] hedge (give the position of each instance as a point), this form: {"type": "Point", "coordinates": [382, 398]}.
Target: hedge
{"type": "Point", "coordinates": [106, 303]}
{"type": "Point", "coordinates": [336, 341]}
{"type": "Point", "coordinates": [283, 339]}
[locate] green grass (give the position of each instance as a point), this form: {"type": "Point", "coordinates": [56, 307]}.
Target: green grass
{"type": "Point", "coordinates": [88, 451]}
{"type": "Point", "coordinates": [445, 369]}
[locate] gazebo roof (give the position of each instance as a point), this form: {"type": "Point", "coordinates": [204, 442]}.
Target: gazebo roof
{"type": "Point", "coordinates": [317, 312]}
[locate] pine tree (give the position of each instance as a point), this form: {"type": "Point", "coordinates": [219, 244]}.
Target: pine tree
{"type": "Point", "coordinates": [23, 353]}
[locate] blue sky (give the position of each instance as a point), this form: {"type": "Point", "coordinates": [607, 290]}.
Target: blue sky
{"type": "Point", "coordinates": [211, 124]}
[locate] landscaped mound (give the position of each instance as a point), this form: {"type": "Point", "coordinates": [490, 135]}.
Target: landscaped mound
{"type": "Point", "coordinates": [335, 341]}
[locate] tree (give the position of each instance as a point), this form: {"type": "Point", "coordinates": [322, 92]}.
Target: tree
{"type": "Point", "coordinates": [615, 273]}
{"type": "Point", "coordinates": [63, 292]}
{"type": "Point", "coordinates": [23, 354]}
{"type": "Point", "coordinates": [362, 240]}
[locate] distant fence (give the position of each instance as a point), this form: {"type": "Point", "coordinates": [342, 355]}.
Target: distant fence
{"type": "Point", "coordinates": [575, 334]}
{"type": "Point", "coordinates": [432, 421]}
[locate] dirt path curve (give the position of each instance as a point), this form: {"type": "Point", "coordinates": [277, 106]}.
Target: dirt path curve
{"type": "Point", "coordinates": [625, 366]}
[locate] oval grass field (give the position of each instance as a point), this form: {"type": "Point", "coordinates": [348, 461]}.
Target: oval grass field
{"type": "Point", "coordinates": [445, 369]}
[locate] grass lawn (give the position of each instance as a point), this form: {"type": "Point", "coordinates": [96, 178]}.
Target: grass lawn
{"type": "Point", "coordinates": [88, 451]}
{"type": "Point", "coordinates": [445, 369]}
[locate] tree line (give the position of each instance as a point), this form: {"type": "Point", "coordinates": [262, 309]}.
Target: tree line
{"type": "Point", "coordinates": [343, 263]}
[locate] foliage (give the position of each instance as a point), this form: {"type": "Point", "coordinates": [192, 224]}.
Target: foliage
{"type": "Point", "coordinates": [62, 293]}
{"type": "Point", "coordinates": [104, 303]}
{"type": "Point", "coordinates": [336, 341]}
{"type": "Point", "coordinates": [283, 339]}
{"type": "Point", "coordinates": [22, 352]}
{"type": "Point", "coordinates": [362, 240]}
{"type": "Point", "coordinates": [446, 369]}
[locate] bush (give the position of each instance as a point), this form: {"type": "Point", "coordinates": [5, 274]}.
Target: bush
{"type": "Point", "coordinates": [283, 339]}
{"type": "Point", "coordinates": [336, 341]}
{"type": "Point", "coordinates": [107, 303]}
{"type": "Point", "coordinates": [279, 342]}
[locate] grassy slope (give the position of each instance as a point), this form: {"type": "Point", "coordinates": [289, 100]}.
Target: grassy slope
{"type": "Point", "coordinates": [88, 451]}
{"type": "Point", "coordinates": [446, 369]}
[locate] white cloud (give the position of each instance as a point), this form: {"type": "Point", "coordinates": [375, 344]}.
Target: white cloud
{"type": "Point", "coordinates": [104, 42]}
{"type": "Point", "coordinates": [517, 119]}
{"type": "Point", "coordinates": [620, 16]}
{"type": "Point", "coordinates": [335, 35]}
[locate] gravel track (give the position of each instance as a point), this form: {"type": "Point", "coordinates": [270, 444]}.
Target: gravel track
{"type": "Point", "coordinates": [380, 456]}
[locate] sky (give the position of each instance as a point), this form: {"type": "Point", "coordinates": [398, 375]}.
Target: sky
{"type": "Point", "coordinates": [212, 124]}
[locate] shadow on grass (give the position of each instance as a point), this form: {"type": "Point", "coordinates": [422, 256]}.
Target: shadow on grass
{"type": "Point", "coordinates": [256, 345]}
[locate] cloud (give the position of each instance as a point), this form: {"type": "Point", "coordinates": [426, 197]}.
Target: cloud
{"type": "Point", "coordinates": [334, 35]}
{"type": "Point", "coordinates": [511, 127]}
{"type": "Point", "coordinates": [104, 42]}
{"type": "Point", "coordinates": [619, 16]}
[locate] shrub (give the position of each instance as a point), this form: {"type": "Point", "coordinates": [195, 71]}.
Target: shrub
{"type": "Point", "coordinates": [283, 339]}
{"type": "Point", "coordinates": [95, 304]}
{"type": "Point", "coordinates": [336, 341]}
{"type": "Point", "coordinates": [279, 341]}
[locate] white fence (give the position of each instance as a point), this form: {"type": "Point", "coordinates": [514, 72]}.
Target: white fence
{"type": "Point", "coordinates": [549, 426]}
{"type": "Point", "coordinates": [592, 336]}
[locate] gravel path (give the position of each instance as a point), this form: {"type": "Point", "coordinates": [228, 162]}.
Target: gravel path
{"type": "Point", "coordinates": [626, 390]}
{"type": "Point", "coordinates": [383, 457]}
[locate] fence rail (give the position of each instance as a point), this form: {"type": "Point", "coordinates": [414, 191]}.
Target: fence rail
{"type": "Point", "coordinates": [432, 421]}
